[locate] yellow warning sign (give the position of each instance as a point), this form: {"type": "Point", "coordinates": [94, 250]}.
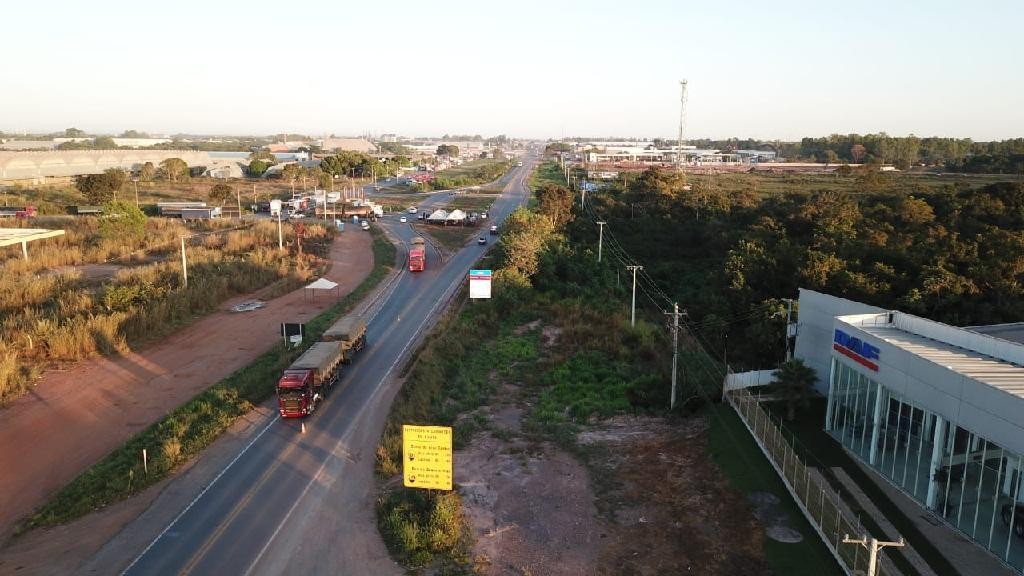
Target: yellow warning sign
{"type": "Point", "coordinates": [427, 457]}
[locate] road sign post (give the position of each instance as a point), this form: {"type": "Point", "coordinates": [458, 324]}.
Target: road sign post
{"type": "Point", "coordinates": [427, 457]}
{"type": "Point", "coordinates": [479, 284]}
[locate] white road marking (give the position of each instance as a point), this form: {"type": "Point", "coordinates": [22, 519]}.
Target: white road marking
{"type": "Point", "coordinates": [401, 355]}
{"type": "Point", "coordinates": [201, 494]}
{"type": "Point", "coordinates": [277, 530]}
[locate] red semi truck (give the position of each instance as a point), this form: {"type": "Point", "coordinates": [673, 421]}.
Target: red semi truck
{"type": "Point", "coordinates": [305, 383]}
{"type": "Point", "coordinates": [417, 255]}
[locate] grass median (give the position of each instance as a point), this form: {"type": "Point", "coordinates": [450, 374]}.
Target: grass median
{"type": "Point", "coordinates": [189, 429]}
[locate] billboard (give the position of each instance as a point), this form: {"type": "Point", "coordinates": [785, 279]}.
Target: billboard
{"type": "Point", "coordinates": [479, 283]}
{"type": "Point", "coordinates": [427, 457]}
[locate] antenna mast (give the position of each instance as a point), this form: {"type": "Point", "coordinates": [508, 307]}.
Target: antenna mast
{"type": "Point", "coordinates": [682, 124]}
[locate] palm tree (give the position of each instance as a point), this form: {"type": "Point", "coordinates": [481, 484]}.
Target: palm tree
{"type": "Point", "coordinates": [794, 381]}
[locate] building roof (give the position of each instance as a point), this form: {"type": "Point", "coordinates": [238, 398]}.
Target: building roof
{"type": "Point", "coordinates": [349, 144]}
{"type": "Point", "coordinates": [996, 372]}
{"type": "Point", "coordinates": [1013, 332]}
{"type": "Point", "coordinates": [11, 236]}
{"type": "Point", "coordinates": [28, 145]}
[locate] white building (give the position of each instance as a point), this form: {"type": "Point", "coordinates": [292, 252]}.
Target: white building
{"type": "Point", "coordinates": [936, 410]}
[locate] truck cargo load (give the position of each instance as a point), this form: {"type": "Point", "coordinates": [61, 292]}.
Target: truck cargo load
{"type": "Point", "coordinates": [305, 383]}
{"type": "Point", "coordinates": [417, 255]}
{"type": "Point", "coordinates": [350, 332]}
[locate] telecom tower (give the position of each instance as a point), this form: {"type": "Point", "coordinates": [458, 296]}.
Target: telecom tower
{"type": "Point", "coordinates": [682, 124]}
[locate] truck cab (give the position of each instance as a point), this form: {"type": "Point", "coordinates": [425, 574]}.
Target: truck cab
{"type": "Point", "coordinates": [295, 396]}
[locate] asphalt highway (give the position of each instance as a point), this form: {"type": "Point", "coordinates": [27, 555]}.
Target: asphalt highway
{"type": "Point", "coordinates": [294, 502]}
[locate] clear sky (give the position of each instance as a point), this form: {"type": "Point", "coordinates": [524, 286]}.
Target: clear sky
{"type": "Point", "coordinates": [780, 69]}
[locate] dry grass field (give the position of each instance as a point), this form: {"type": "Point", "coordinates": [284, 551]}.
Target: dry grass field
{"type": "Point", "coordinates": [87, 293]}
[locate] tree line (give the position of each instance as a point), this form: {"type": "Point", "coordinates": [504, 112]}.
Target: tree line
{"type": "Point", "coordinates": [952, 154]}
{"type": "Point", "coordinates": [956, 256]}
{"type": "Point", "coordinates": [101, 188]}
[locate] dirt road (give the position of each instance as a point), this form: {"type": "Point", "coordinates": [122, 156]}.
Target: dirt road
{"type": "Point", "coordinates": [74, 417]}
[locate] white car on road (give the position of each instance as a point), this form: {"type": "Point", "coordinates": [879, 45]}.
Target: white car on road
{"type": "Point", "coordinates": [403, 219]}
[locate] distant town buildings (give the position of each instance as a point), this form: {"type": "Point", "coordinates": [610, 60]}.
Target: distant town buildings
{"type": "Point", "coordinates": [347, 145]}
{"type": "Point", "coordinates": [648, 153]}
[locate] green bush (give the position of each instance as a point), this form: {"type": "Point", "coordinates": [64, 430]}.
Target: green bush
{"type": "Point", "coordinates": [419, 525]}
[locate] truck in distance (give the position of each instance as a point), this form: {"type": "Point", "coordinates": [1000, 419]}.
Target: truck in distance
{"type": "Point", "coordinates": [350, 331]}
{"type": "Point", "coordinates": [417, 254]}
{"type": "Point", "coordinates": [305, 383]}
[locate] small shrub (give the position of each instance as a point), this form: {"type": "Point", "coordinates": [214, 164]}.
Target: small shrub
{"type": "Point", "coordinates": [171, 450]}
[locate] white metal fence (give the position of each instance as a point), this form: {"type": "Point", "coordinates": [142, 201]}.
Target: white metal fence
{"type": "Point", "coordinates": [822, 505]}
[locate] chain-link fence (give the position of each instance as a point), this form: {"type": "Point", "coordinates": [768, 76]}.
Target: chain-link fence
{"type": "Point", "coordinates": [822, 505]}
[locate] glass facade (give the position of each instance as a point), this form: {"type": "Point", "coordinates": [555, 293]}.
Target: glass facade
{"type": "Point", "coordinates": [973, 483]}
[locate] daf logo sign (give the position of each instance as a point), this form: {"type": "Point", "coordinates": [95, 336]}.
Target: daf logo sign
{"type": "Point", "coordinates": [856, 349]}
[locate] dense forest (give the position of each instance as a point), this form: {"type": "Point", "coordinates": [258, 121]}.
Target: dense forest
{"type": "Point", "coordinates": [956, 255]}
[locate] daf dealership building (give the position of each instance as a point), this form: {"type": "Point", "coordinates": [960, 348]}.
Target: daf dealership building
{"type": "Point", "coordinates": [936, 410]}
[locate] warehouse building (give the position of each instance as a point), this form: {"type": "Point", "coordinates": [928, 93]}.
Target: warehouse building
{"type": "Point", "coordinates": [936, 410]}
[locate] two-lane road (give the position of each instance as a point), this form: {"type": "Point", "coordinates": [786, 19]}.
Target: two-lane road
{"type": "Point", "coordinates": [302, 503]}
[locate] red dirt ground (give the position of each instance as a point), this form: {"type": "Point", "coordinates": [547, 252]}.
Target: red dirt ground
{"type": "Point", "coordinates": [74, 417]}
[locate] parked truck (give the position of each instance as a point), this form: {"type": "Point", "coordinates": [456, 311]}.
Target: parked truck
{"type": "Point", "coordinates": [417, 255]}
{"type": "Point", "coordinates": [350, 332]}
{"type": "Point", "coordinates": [305, 383]}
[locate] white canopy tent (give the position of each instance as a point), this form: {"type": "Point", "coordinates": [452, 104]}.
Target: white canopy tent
{"type": "Point", "coordinates": [438, 215]}
{"type": "Point", "coordinates": [457, 216]}
{"type": "Point", "coordinates": [322, 284]}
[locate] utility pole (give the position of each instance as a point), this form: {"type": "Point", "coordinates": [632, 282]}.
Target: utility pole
{"type": "Point", "coordinates": [789, 316]}
{"type": "Point", "coordinates": [583, 198]}
{"type": "Point", "coordinates": [675, 314]}
{"type": "Point", "coordinates": [136, 181]}
{"type": "Point", "coordinates": [184, 263]}
{"type": "Point", "coordinates": [238, 198]}
{"type": "Point", "coordinates": [280, 236]}
{"type": "Point", "coordinates": [600, 239]}
{"type": "Point", "coordinates": [632, 320]}
{"type": "Point", "coordinates": [873, 546]}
